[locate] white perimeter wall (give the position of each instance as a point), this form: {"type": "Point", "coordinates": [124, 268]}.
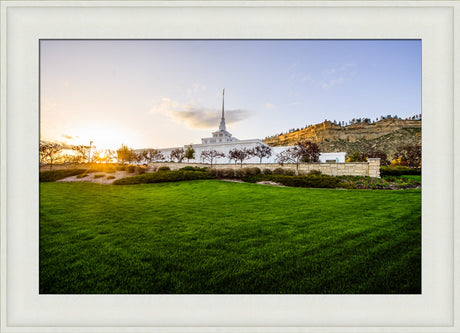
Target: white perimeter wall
{"type": "Point", "coordinates": [225, 147]}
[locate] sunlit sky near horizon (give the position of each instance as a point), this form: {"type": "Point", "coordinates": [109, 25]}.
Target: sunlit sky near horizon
{"type": "Point", "coordinates": [168, 93]}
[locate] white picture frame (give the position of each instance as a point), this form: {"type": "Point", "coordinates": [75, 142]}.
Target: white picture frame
{"type": "Point", "coordinates": [23, 24]}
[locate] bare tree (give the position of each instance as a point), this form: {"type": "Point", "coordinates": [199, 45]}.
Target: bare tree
{"type": "Point", "coordinates": [138, 157]}
{"type": "Point", "coordinates": [210, 155]}
{"type": "Point", "coordinates": [178, 154]}
{"type": "Point", "coordinates": [98, 156]}
{"type": "Point", "coordinates": [49, 152]}
{"type": "Point", "coordinates": [151, 155]}
{"type": "Point", "coordinates": [261, 151]}
{"type": "Point", "coordinates": [239, 154]}
{"type": "Point", "coordinates": [109, 155]}
{"type": "Point", "coordinates": [303, 151]}
{"type": "Point", "coordinates": [290, 155]}
{"type": "Point", "coordinates": [82, 153]}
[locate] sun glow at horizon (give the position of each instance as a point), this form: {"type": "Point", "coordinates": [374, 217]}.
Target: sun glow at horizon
{"type": "Point", "coordinates": [99, 137]}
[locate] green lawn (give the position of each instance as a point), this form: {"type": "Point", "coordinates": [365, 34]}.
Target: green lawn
{"type": "Point", "coordinates": [210, 236]}
{"type": "Point", "coordinates": [413, 177]}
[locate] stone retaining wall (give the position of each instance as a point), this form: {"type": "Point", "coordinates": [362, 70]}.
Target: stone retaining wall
{"type": "Point", "coordinates": [370, 168]}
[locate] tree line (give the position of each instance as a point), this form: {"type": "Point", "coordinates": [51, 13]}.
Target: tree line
{"type": "Point", "coordinates": [302, 152]}
{"type": "Point", "coordinates": [408, 155]}
{"type": "Point", "coordinates": [52, 153]}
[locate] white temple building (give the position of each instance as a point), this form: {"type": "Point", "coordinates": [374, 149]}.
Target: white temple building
{"type": "Point", "coordinates": [223, 141]}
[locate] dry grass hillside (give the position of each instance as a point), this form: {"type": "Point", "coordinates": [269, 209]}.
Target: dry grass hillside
{"type": "Point", "coordinates": [385, 135]}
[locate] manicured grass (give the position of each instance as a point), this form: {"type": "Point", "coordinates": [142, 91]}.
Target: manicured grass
{"type": "Point", "coordinates": [413, 177]}
{"type": "Point", "coordinates": [211, 236]}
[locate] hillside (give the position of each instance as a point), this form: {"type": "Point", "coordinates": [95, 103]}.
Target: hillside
{"type": "Point", "coordinates": [385, 135]}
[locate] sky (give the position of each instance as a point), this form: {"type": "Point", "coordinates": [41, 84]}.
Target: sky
{"type": "Point", "coordinates": [168, 93]}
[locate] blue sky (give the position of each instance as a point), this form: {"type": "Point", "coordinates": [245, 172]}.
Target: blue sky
{"type": "Point", "coordinates": [168, 93]}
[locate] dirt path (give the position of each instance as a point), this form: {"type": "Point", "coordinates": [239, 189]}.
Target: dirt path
{"type": "Point", "coordinates": [264, 182]}
{"type": "Point", "coordinates": [100, 180]}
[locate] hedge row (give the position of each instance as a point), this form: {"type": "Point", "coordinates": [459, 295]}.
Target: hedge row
{"type": "Point", "coordinates": [311, 180]}
{"type": "Point", "coordinates": [163, 177]}
{"type": "Point", "coordinates": [244, 172]}
{"type": "Point", "coordinates": [193, 168]}
{"type": "Point", "coordinates": [53, 175]}
{"type": "Point", "coordinates": [398, 171]}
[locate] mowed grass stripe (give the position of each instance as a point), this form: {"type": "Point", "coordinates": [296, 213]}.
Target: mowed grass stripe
{"type": "Point", "coordinates": [210, 236]}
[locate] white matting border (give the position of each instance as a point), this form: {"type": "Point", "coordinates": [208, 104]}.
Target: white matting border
{"type": "Point", "coordinates": [24, 310]}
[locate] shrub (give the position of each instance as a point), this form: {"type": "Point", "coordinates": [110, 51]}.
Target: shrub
{"type": "Point", "coordinates": [314, 173]}
{"type": "Point", "coordinates": [164, 168]}
{"type": "Point", "coordinates": [188, 168]}
{"type": "Point", "coordinates": [398, 171]}
{"type": "Point", "coordinates": [140, 170]}
{"type": "Point", "coordinates": [161, 177]}
{"type": "Point", "coordinates": [83, 175]}
{"type": "Point", "coordinates": [192, 168]}
{"type": "Point", "coordinates": [225, 173]}
{"type": "Point", "coordinates": [110, 177]}
{"type": "Point", "coordinates": [254, 178]}
{"type": "Point", "coordinates": [53, 175]}
{"type": "Point", "coordinates": [121, 167]}
{"type": "Point", "coordinates": [317, 181]}
{"type": "Point", "coordinates": [267, 172]}
{"type": "Point", "coordinates": [252, 171]}
{"type": "Point", "coordinates": [110, 170]}
{"type": "Point", "coordinates": [211, 172]}
{"type": "Point", "coordinates": [99, 175]}
{"type": "Point", "coordinates": [240, 173]}
{"type": "Point", "coordinates": [278, 171]}
{"type": "Point", "coordinates": [131, 168]}
{"type": "Point", "coordinates": [289, 172]}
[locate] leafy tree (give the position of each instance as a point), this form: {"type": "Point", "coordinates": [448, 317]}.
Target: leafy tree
{"type": "Point", "coordinates": [178, 154]}
{"type": "Point", "coordinates": [261, 151]}
{"type": "Point", "coordinates": [376, 154]}
{"type": "Point", "coordinates": [310, 151]}
{"type": "Point", "coordinates": [356, 157]}
{"type": "Point", "coordinates": [49, 152]}
{"type": "Point", "coordinates": [125, 154]}
{"type": "Point", "coordinates": [410, 155]}
{"type": "Point", "coordinates": [239, 154]}
{"type": "Point", "coordinates": [210, 155]}
{"type": "Point", "coordinates": [190, 153]}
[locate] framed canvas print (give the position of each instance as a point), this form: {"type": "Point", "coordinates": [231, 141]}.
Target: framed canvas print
{"type": "Point", "coordinates": [229, 166]}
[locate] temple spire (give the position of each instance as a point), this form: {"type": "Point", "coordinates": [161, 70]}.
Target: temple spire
{"type": "Point", "coordinates": [222, 119]}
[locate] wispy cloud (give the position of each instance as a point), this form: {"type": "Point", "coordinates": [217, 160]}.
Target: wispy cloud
{"type": "Point", "coordinates": [196, 88]}
{"type": "Point", "coordinates": [270, 106]}
{"type": "Point", "coordinates": [326, 84]}
{"type": "Point", "coordinates": [331, 77]}
{"type": "Point", "coordinates": [66, 136]}
{"type": "Point", "coordinates": [196, 116]}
